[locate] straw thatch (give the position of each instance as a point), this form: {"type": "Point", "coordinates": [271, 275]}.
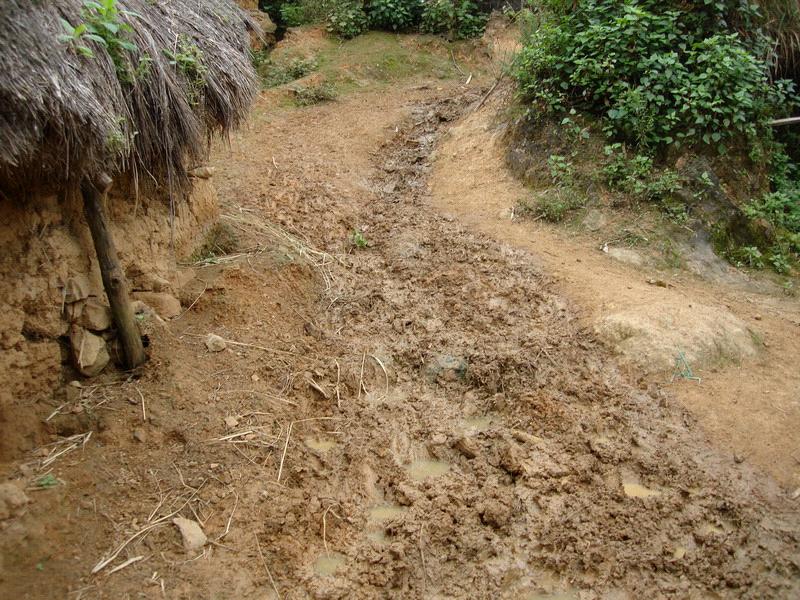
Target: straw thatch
{"type": "Point", "coordinates": [65, 115]}
{"type": "Point", "coordinates": [783, 23]}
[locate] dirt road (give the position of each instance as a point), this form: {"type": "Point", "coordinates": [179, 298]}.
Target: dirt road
{"type": "Point", "coordinates": [413, 412]}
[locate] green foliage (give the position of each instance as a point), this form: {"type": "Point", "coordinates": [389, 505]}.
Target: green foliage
{"type": "Point", "coordinates": [656, 72]}
{"type": "Point", "coordinates": [103, 25]}
{"type": "Point", "coordinates": [780, 209]}
{"type": "Point", "coordinates": [348, 20]}
{"type": "Point", "coordinates": [394, 15]}
{"type": "Point", "coordinates": [297, 12]}
{"type": "Point", "coordinates": [359, 241]}
{"type": "Point", "coordinates": [187, 58]}
{"type": "Point", "coordinates": [457, 19]}
{"type": "Point", "coordinates": [556, 205]}
{"type": "Point", "coordinates": [275, 73]}
{"type": "Point", "coordinates": [47, 481]}
{"type": "Point", "coordinates": [293, 15]}
{"type": "Point", "coordinates": [636, 175]}
{"type": "Point", "coordinates": [561, 170]}
{"type": "Point", "coordinates": [308, 95]}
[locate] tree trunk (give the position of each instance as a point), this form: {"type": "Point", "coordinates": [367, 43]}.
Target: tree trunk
{"type": "Point", "coordinates": [113, 277]}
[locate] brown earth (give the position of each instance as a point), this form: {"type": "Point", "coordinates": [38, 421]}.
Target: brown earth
{"type": "Point", "coordinates": [423, 416]}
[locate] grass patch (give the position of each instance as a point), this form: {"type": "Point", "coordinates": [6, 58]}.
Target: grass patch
{"type": "Point", "coordinates": [308, 95]}
{"type": "Point", "coordinates": [280, 72]}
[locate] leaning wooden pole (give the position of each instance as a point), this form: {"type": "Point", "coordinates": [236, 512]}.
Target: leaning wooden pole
{"type": "Point", "coordinates": [114, 280]}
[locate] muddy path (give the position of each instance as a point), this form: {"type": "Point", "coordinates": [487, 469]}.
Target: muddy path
{"type": "Point", "coordinates": [420, 415]}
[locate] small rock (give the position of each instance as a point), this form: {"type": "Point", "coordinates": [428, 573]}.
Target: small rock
{"type": "Point", "coordinates": [202, 172]}
{"type": "Point", "coordinates": [89, 351]}
{"type": "Point", "coordinates": [231, 422]}
{"type": "Point", "coordinates": [166, 306]}
{"type": "Point", "coordinates": [679, 553]}
{"type": "Point", "coordinates": [738, 459]}
{"type": "Point", "coordinates": [512, 460]}
{"type": "Point", "coordinates": [12, 500]}
{"type": "Point", "coordinates": [495, 514]}
{"type": "Point", "coordinates": [95, 316]}
{"type": "Point", "coordinates": [658, 282]}
{"type": "Point", "coordinates": [525, 437]}
{"type": "Point", "coordinates": [626, 255]}
{"type": "Point", "coordinates": [140, 435]}
{"type": "Point", "coordinates": [757, 317]}
{"type": "Point", "coordinates": [192, 533]}
{"type": "Point", "coordinates": [594, 220]}
{"type": "Point", "coordinates": [215, 343]}
{"type": "Point", "coordinates": [449, 368]}
{"type": "Point", "coordinates": [76, 289]}
{"type": "Point", "coordinates": [796, 494]}
{"type": "Point", "coordinates": [467, 446]}
{"type": "Point", "coordinates": [139, 308]}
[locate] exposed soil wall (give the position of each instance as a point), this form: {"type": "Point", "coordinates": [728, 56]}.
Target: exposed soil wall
{"type": "Point", "coordinates": [47, 246]}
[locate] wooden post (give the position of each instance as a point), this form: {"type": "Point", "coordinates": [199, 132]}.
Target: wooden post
{"type": "Point", "coordinates": [114, 280]}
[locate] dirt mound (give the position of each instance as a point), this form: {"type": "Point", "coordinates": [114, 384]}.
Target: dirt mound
{"type": "Point", "coordinates": [652, 338]}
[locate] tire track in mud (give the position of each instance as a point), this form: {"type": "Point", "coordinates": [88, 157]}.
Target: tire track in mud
{"type": "Point", "coordinates": [504, 455]}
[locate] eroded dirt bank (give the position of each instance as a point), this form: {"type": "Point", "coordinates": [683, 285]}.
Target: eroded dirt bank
{"type": "Point", "coordinates": [421, 418]}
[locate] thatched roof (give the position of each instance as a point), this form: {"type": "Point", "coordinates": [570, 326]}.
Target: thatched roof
{"type": "Point", "coordinates": [66, 109]}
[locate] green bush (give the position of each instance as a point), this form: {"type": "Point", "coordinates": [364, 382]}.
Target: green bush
{"type": "Point", "coordinates": [293, 15]}
{"type": "Point", "coordinates": [557, 205]}
{"type": "Point", "coordinates": [781, 210]}
{"type": "Point", "coordinates": [297, 12]}
{"type": "Point", "coordinates": [457, 19]}
{"type": "Point", "coordinates": [394, 15]}
{"type": "Point", "coordinates": [658, 72]}
{"type": "Point", "coordinates": [637, 176]}
{"type": "Point", "coordinates": [279, 73]}
{"type": "Point", "coordinates": [314, 94]}
{"type": "Point", "coordinates": [348, 20]}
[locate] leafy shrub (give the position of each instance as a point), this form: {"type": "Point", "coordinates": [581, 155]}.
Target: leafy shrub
{"type": "Point", "coordinates": [457, 19]}
{"type": "Point", "coordinates": [394, 15]}
{"type": "Point", "coordinates": [103, 24]}
{"type": "Point", "coordinates": [187, 58]}
{"type": "Point", "coordinates": [656, 71]}
{"type": "Point", "coordinates": [314, 94]}
{"type": "Point", "coordinates": [554, 207]}
{"type": "Point", "coordinates": [636, 175]}
{"type": "Point", "coordinates": [348, 20]}
{"type": "Point", "coordinates": [293, 15]}
{"type": "Point", "coordinates": [277, 73]}
{"type": "Point", "coordinates": [297, 12]}
{"type": "Point", "coordinates": [781, 210]}
{"type": "Point", "coordinates": [561, 169]}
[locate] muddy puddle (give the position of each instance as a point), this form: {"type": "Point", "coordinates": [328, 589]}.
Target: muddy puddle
{"type": "Point", "coordinates": [328, 564]}
{"type": "Point", "coordinates": [637, 490]}
{"type": "Point", "coordinates": [384, 512]}
{"type": "Point", "coordinates": [419, 470]}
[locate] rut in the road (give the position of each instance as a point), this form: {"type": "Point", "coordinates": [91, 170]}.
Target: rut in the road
{"type": "Point", "coordinates": [541, 460]}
